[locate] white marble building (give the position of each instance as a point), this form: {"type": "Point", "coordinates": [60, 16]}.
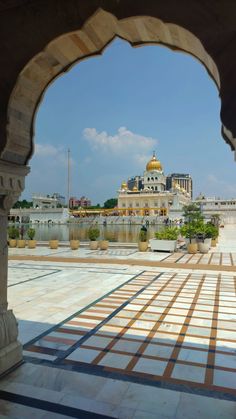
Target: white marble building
{"type": "Point", "coordinates": [153, 199]}
{"type": "Point", "coordinates": [225, 208]}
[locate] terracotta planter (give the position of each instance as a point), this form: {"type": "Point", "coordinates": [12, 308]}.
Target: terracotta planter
{"type": "Point", "coordinates": [53, 244]}
{"type": "Point", "coordinates": [93, 245]}
{"type": "Point", "coordinates": [103, 244]}
{"type": "Point", "coordinates": [187, 241]}
{"type": "Point", "coordinates": [213, 242]}
{"type": "Point", "coordinates": [142, 246]}
{"type": "Point", "coordinates": [192, 248]}
{"type": "Point", "coordinates": [12, 243]}
{"type": "Point", "coordinates": [32, 244]}
{"type": "Point", "coordinates": [21, 244]}
{"type": "Point", "coordinates": [74, 244]}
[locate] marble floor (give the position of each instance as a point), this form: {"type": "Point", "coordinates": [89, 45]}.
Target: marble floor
{"type": "Point", "coordinates": [122, 340]}
{"type": "Point", "coordinates": [221, 256]}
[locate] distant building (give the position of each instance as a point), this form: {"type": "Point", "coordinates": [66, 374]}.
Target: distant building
{"type": "Point", "coordinates": [82, 202]}
{"type": "Point", "coordinates": [60, 199]}
{"type": "Point", "coordinates": [136, 181]}
{"type": "Point", "coordinates": [73, 202]}
{"type": "Point", "coordinates": [147, 195]}
{"type": "Point", "coordinates": [225, 208]}
{"type": "Point", "coordinates": [182, 179]}
{"type": "Point", "coordinates": [47, 201]}
{"type": "Point", "coordinates": [41, 201]}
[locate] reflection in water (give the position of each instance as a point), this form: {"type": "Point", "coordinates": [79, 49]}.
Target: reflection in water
{"type": "Point", "coordinates": [114, 233]}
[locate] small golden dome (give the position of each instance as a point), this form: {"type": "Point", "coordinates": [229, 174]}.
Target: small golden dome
{"type": "Point", "coordinates": [135, 189]}
{"type": "Point", "coordinates": [124, 185]}
{"type": "Point", "coordinates": [154, 164]}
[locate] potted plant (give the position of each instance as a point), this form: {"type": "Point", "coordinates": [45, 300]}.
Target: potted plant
{"type": "Point", "coordinates": [21, 242]}
{"type": "Point", "coordinates": [189, 232]}
{"type": "Point", "coordinates": [143, 243]}
{"type": "Point", "coordinates": [203, 239]}
{"type": "Point", "coordinates": [212, 232]}
{"type": "Point", "coordinates": [104, 243]}
{"type": "Point", "coordinates": [93, 235]}
{"type": "Point", "coordinates": [215, 220]}
{"type": "Point", "coordinates": [74, 239]}
{"type": "Point", "coordinates": [13, 234]}
{"type": "Point", "coordinates": [31, 242]}
{"type": "Point", "coordinates": [53, 242]}
{"type": "Point", "coordinates": [165, 240]}
{"type": "Point", "coordinates": [193, 219]}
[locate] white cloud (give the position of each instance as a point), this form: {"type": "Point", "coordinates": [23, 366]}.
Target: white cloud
{"type": "Point", "coordinates": [124, 143]}
{"type": "Point", "coordinates": [56, 155]}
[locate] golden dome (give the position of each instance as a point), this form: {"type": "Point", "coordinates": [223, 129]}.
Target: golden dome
{"type": "Point", "coordinates": [135, 189]}
{"type": "Point", "coordinates": [154, 164]}
{"type": "Point", "coordinates": [124, 185]}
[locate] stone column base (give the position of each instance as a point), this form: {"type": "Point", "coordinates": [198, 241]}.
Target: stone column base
{"type": "Point", "coordinates": [10, 355]}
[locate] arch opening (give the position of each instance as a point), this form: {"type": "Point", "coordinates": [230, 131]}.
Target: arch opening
{"type": "Point", "coordinates": [67, 50]}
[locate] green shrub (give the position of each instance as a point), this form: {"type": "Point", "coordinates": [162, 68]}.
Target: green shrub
{"type": "Point", "coordinates": [93, 233]}
{"type": "Point", "coordinates": [169, 233]}
{"type": "Point", "coordinates": [31, 233]}
{"type": "Point", "coordinates": [191, 230]}
{"type": "Point", "coordinates": [143, 236]}
{"type": "Point", "coordinates": [211, 231]}
{"type": "Point", "coordinates": [192, 213]}
{"type": "Point", "coordinates": [13, 232]}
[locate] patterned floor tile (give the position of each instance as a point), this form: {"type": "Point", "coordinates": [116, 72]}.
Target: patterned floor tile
{"type": "Point", "coordinates": [160, 327]}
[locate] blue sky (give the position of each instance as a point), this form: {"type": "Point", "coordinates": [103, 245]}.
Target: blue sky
{"type": "Point", "coordinates": [112, 111]}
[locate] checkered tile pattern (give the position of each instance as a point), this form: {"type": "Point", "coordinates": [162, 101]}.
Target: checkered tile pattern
{"type": "Point", "coordinates": [214, 258]}
{"type": "Point", "coordinates": [177, 329]}
{"type": "Point", "coordinates": [112, 252]}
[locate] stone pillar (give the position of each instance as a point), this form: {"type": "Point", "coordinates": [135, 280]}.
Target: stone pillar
{"type": "Point", "coordinates": [11, 185]}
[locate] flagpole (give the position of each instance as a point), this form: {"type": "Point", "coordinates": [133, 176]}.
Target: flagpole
{"type": "Point", "coordinates": [68, 179]}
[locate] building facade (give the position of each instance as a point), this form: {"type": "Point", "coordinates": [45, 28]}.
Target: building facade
{"type": "Point", "coordinates": [224, 208]}
{"type": "Point", "coordinates": [82, 202]}
{"type": "Point", "coordinates": [44, 202]}
{"type": "Point", "coordinates": [60, 199]}
{"type": "Point", "coordinates": [182, 179]}
{"type": "Point", "coordinates": [135, 181]}
{"type": "Point", "coordinates": [153, 198]}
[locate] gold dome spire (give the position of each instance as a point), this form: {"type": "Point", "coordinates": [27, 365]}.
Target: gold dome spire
{"type": "Point", "coordinates": [154, 164]}
{"type": "Point", "coordinates": [124, 185]}
{"type": "Point", "coordinates": [135, 189]}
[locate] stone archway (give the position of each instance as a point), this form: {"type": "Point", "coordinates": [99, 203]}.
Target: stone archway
{"type": "Point", "coordinates": [73, 31]}
{"type": "Point", "coordinates": [67, 50]}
